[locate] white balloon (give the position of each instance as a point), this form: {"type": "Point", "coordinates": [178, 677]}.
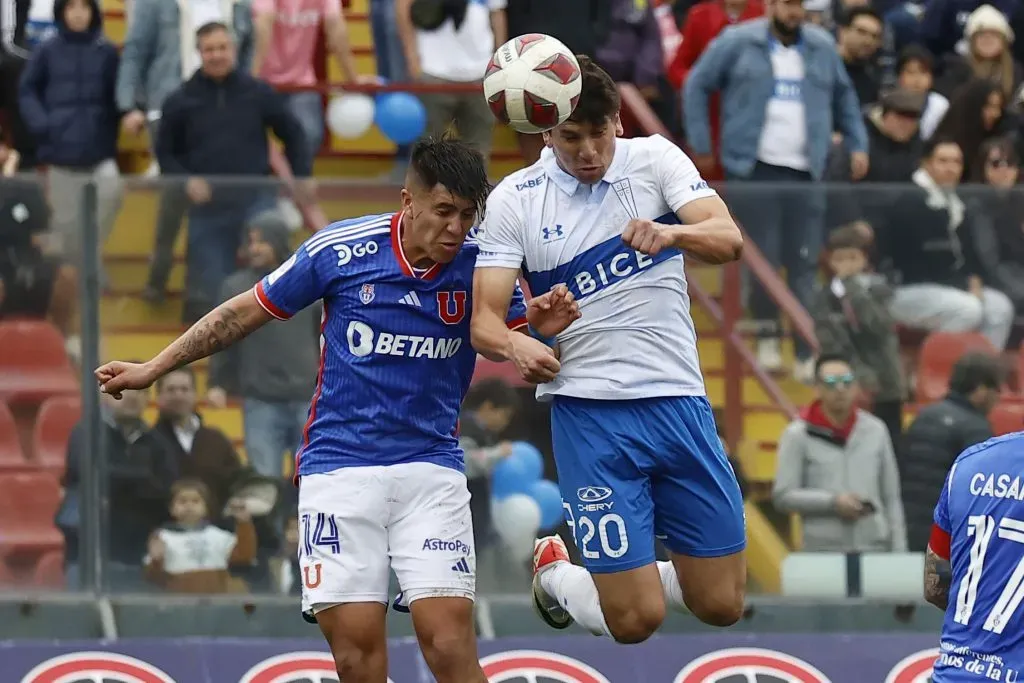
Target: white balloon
{"type": "Point", "coordinates": [517, 520]}
{"type": "Point", "coordinates": [350, 115]}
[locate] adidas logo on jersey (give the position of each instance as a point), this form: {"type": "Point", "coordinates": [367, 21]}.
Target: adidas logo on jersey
{"type": "Point", "coordinates": [461, 567]}
{"type": "Point", "coordinates": [411, 299]}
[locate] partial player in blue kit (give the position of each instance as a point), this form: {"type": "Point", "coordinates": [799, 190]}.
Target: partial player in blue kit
{"type": "Point", "coordinates": [380, 472]}
{"type": "Point", "coordinates": [635, 443]}
{"type": "Point", "coordinates": [974, 565]}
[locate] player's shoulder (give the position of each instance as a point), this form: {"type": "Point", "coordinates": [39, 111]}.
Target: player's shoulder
{"type": "Point", "coordinates": [654, 148]}
{"type": "Point", "coordinates": [524, 180]}
{"type": "Point", "coordinates": [1002, 448]}
{"type": "Point", "coordinates": [348, 234]}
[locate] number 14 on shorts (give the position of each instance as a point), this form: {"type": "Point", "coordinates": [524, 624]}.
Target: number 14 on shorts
{"type": "Point", "coordinates": [319, 530]}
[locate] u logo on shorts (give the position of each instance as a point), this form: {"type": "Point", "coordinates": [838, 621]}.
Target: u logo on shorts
{"type": "Point", "coordinates": [312, 583]}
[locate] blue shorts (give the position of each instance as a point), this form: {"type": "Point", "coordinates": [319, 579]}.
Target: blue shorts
{"type": "Point", "coordinates": [635, 469]}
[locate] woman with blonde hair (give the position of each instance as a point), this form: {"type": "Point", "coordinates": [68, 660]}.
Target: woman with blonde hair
{"type": "Point", "coordinates": [986, 55]}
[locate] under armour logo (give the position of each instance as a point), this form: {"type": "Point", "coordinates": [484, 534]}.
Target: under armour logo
{"type": "Point", "coordinates": [552, 233]}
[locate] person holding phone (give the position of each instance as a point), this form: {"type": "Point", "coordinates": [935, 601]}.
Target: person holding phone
{"type": "Point", "coordinates": [836, 468]}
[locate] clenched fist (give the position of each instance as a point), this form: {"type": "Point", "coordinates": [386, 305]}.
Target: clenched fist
{"type": "Point", "coordinates": [648, 237]}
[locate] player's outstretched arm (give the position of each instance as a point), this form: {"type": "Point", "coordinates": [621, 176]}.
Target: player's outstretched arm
{"type": "Point", "coordinates": [492, 292]}
{"type": "Point", "coordinates": [218, 329]}
{"type": "Point", "coordinates": [937, 577]}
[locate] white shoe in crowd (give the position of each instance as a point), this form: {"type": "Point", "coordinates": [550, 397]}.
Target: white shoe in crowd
{"type": "Point", "coordinates": [290, 213]}
{"type": "Point", "coordinates": [153, 171]}
{"type": "Point", "coordinates": [769, 354]}
{"type": "Point", "coordinates": [803, 371]}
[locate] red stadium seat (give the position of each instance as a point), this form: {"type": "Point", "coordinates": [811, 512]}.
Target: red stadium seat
{"type": "Point", "coordinates": [11, 456]}
{"type": "Point", "coordinates": [49, 570]}
{"type": "Point", "coordinates": [33, 364]}
{"type": "Point", "coordinates": [28, 506]}
{"type": "Point", "coordinates": [1006, 417]}
{"type": "Point", "coordinates": [939, 353]}
{"type": "Point", "coordinates": [56, 418]}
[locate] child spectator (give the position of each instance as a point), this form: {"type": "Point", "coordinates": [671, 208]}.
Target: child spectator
{"type": "Point", "coordinates": [67, 102]}
{"type": "Point", "coordinates": [487, 411]}
{"type": "Point", "coordinates": [851, 319]}
{"type": "Point", "coordinates": [915, 70]}
{"type": "Point", "coordinates": [191, 555]}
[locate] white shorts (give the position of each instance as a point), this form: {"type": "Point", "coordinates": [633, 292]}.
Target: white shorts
{"type": "Point", "coordinates": [356, 522]}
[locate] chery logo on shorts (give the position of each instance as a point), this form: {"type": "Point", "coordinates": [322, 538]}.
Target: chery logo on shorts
{"type": "Point", "coordinates": [455, 546]}
{"type": "Point", "coordinates": [593, 494]}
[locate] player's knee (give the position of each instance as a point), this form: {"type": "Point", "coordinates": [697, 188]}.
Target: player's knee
{"type": "Point", "coordinates": [719, 607]}
{"type": "Point", "coordinates": [356, 662]}
{"type": "Point", "coordinates": [448, 651]}
{"type": "Point", "coordinates": [635, 623]}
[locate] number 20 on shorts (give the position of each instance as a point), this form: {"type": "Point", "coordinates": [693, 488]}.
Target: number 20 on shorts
{"type": "Point", "coordinates": [610, 530]}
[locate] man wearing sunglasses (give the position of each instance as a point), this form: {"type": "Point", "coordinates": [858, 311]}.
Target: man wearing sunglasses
{"type": "Point", "coordinates": [837, 469]}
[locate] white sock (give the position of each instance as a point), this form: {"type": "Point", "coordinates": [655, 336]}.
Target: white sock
{"type": "Point", "coordinates": [670, 586]}
{"type": "Point", "coordinates": [576, 593]}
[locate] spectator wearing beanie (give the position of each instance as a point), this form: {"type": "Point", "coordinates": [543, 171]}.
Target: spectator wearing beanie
{"type": "Point", "coordinates": [274, 369]}
{"type": "Point", "coordinates": [986, 55]}
{"type": "Point", "coordinates": [944, 24]}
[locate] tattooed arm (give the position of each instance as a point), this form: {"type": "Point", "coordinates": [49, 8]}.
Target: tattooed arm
{"type": "Point", "coordinates": [218, 329]}
{"type": "Point", "coordinates": [937, 576]}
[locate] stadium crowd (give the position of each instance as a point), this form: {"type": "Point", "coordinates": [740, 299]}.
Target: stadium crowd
{"type": "Point", "coordinates": [798, 105]}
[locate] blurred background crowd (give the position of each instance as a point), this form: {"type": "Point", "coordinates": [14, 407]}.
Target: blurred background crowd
{"type": "Point", "coordinates": [870, 150]}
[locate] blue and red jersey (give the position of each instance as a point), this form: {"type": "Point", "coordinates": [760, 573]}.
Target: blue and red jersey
{"type": "Point", "coordinates": [395, 359]}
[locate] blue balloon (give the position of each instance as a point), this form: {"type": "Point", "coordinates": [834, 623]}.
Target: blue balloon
{"type": "Point", "coordinates": [400, 116]}
{"type": "Point", "coordinates": [510, 476]}
{"type": "Point", "coordinates": [549, 500]}
{"type": "Point", "coordinates": [533, 461]}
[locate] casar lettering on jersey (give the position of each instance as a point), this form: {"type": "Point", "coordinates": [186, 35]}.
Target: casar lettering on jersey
{"type": "Point", "coordinates": [598, 267]}
{"type": "Point", "coordinates": [362, 341]}
{"type": "Point", "coordinates": [997, 486]}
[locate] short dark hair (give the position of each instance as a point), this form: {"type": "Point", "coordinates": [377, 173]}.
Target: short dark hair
{"type": "Point", "coordinates": [196, 485]}
{"type": "Point", "coordinates": [599, 97]}
{"type": "Point", "coordinates": [857, 12]}
{"type": "Point", "coordinates": [829, 358]}
{"type": "Point", "coordinates": [936, 141]}
{"type": "Point", "coordinates": [453, 163]}
{"type": "Point", "coordinates": [211, 27]}
{"type": "Point", "coordinates": [495, 391]}
{"type": "Point", "coordinates": [187, 370]}
{"type": "Point", "coordinates": [976, 369]}
{"type": "Point", "coordinates": [847, 237]}
{"type": "Point", "coordinates": [915, 53]}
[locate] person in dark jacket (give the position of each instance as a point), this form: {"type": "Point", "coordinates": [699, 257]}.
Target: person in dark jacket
{"type": "Point", "coordinates": [928, 242]}
{"type": "Point", "coordinates": [274, 369]}
{"type": "Point", "coordinates": [858, 42]}
{"type": "Point", "coordinates": [851, 319]}
{"type": "Point", "coordinates": [896, 145]}
{"type": "Point", "coordinates": [939, 433]}
{"type": "Point", "coordinates": [33, 284]}
{"type": "Point", "coordinates": [67, 100]}
{"type": "Point", "coordinates": [19, 34]}
{"type": "Point", "coordinates": [998, 209]}
{"type": "Point", "coordinates": [135, 491]}
{"type": "Point", "coordinates": [215, 125]}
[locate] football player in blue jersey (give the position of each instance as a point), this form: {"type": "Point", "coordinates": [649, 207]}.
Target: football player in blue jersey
{"type": "Point", "coordinates": [381, 476]}
{"type": "Point", "coordinates": [635, 442]}
{"type": "Point", "coordinates": [974, 564]}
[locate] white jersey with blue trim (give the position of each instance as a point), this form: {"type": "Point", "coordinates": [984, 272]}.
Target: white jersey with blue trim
{"type": "Point", "coordinates": [636, 338]}
{"type": "Point", "coordinates": [396, 359]}
{"type": "Point", "coordinates": [980, 520]}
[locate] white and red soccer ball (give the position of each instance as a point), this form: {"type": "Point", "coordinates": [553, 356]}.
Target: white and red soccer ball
{"type": "Point", "coordinates": [532, 83]}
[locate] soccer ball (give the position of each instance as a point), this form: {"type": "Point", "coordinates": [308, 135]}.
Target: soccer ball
{"type": "Point", "coordinates": [532, 83]}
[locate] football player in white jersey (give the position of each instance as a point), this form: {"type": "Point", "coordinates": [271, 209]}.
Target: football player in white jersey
{"type": "Point", "coordinates": [635, 443]}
